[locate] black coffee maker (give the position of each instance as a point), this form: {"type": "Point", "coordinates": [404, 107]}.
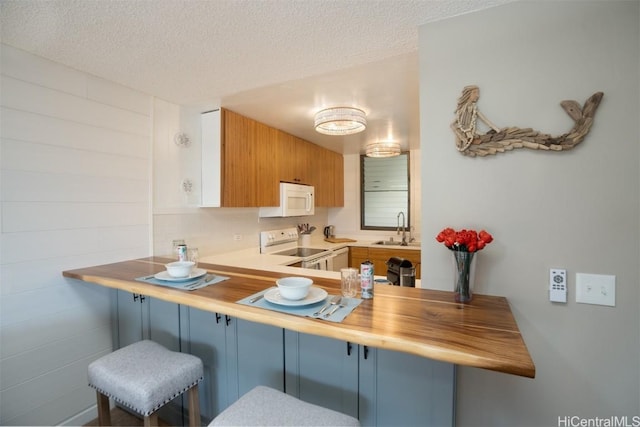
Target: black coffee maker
{"type": "Point", "coordinates": [400, 272]}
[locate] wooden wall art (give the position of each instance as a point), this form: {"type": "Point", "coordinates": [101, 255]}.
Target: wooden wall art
{"type": "Point", "coordinates": [498, 140]}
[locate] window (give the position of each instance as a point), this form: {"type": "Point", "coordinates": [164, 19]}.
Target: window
{"type": "Point", "coordinates": [384, 192]}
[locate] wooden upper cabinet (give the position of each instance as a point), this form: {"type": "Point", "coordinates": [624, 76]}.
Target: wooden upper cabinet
{"type": "Point", "coordinates": [302, 162]}
{"type": "Point", "coordinates": [268, 190]}
{"type": "Point", "coordinates": [337, 168]}
{"type": "Point", "coordinates": [328, 177]}
{"type": "Point", "coordinates": [257, 157]}
{"type": "Point", "coordinates": [294, 159]}
{"type": "Point", "coordinates": [238, 155]}
{"type": "Point", "coordinates": [246, 178]}
{"type": "Point", "coordinates": [338, 187]}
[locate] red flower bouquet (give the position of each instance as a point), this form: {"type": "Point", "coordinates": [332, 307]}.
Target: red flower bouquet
{"type": "Point", "coordinates": [464, 244]}
{"type": "Point", "coordinates": [464, 240]}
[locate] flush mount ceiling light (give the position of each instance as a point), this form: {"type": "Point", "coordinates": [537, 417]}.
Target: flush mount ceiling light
{"type": "Point", "coordinates": [383, 149]}
{"type": "Point", "coordinates": [340, 121]}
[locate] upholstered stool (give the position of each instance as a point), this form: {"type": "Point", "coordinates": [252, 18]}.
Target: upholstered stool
{"type": "Point", "coordinates": [143, 377]}
{"type": "Point", "coordinates": [264, 406]}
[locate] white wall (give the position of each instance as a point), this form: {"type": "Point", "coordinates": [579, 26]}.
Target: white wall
{"type": "Point", "coordinates": [577, 210]}
{"type": "Point", "coordinates": [75, 159]}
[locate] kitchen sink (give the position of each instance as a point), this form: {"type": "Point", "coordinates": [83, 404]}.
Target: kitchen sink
{"type": "Point", "coordinates": [395, 243]}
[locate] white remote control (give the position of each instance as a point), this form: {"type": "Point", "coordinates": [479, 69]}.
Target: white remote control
{"type": "Point", "coordinates": [558, 285]}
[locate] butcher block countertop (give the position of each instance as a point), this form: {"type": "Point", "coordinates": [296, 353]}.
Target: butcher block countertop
{"type": "Point", "coordinates": [423, 322]}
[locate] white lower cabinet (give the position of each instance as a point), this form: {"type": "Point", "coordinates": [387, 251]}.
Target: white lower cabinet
{"type": "Point", "coordinates": [237, 356]}
{"type": "Point", "coordinates": [379, 387]}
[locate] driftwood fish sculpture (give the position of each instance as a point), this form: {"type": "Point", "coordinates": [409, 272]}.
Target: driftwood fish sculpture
{"type": "Point", "coordinates": [499, 140]}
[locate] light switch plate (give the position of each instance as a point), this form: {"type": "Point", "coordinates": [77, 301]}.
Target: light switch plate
{"type": "Point", "coordinates": [598, 289]}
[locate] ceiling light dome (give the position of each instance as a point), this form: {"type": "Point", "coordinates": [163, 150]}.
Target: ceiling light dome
{"type": "Point", "coordinates": [383, 149]}
{"type": "Point", "coordinates": [340, 121]}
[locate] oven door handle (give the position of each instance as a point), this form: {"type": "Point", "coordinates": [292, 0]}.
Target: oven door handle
{"type": "Point", "coordinates": [321, 263]}
{"type": "Point", "coordinates": [330, 262]}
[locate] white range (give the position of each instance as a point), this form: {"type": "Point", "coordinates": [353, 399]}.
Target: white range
{"type": "Point", "coordinates": [285, 242]}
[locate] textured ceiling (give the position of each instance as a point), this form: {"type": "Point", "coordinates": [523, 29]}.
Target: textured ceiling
{"type": "Point", "coordinates": [276, 61]}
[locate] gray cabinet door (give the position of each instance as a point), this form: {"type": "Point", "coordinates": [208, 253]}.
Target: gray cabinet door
{"type": "Point", "coordinates": [128, 312]}
{"type": "Point", "coordinates": [203, 334]}
{"type": "Point", "coordinates": [164, 323]}
{"type": "Point", "coordinates": [162, 320]}
{"type": "Point", "coordinates": [323, 371]}
{"type": "Point", "coordinates": [237, 355]}
{"type": "Point", "coordinates": [259, 356]}
{"type": "Point", "coordinates": [140, 317]}
{"type": "Point", "coordinates": [405, 390]}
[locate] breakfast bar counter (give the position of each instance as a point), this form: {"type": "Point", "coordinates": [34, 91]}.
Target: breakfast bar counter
{"type": "Point", "coordinates": [422, 322]}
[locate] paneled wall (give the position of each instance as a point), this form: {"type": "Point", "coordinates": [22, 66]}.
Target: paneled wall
{"type": "Point", "coordinates": [75, 191]}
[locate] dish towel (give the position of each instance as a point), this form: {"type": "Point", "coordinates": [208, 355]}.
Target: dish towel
{"type": "Point", "coordinates": [187, 285]}
{"type": "Point", "coordinates": [306, 310]}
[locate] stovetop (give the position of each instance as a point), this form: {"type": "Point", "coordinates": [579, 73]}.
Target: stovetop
{"type": "Point", "coordinates": [300, 252]}
{"type": "Point", "coordinates": [285, 242]}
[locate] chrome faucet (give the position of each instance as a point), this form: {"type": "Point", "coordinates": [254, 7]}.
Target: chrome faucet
{"type": "Point", "coordinates": [404, 229]}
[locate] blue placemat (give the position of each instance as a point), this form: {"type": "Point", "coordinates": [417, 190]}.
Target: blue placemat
{"type": "Point", "coordinates": [306, 310]}
{"type": "Point", "coordinates": [187, 285]}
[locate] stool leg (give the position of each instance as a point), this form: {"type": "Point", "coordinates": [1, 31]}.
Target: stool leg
{"type": "Point", "coordinates": [151, 420]}
{"type": "Point", "coordinates": [194, 407]}
{"type": "Point", "coordinates": [104, 412]}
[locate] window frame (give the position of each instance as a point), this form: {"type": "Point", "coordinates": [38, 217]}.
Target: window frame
{"type": "Point", "coordinates": [363, 226]}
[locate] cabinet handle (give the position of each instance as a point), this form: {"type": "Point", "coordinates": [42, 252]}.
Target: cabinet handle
{"type": "Point", "coordinates": [218, 317]}
{"type": "Point", "coordinates": [348, 348]}
{"type": "Point", "coordinates": [227, 319]}
{"type": "Point", "coordinates": [141, 298]}
{"type": "Point", "coordinates": [366, 352]}
{"type": "Point", "coordinates": [135, 297]}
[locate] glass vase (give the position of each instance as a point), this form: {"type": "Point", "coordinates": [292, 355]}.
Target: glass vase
{"type": "Point", "coordinates": [464, 271]}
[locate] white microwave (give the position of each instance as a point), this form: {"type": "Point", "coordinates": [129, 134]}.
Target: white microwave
{"type": "Point", "coordinates": [295, 200]}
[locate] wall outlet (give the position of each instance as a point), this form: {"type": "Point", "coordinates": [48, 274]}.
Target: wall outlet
{"type": "Point", "coordinates": [598, 289]}
{"type": "Point", "coordinates": [237, 237]}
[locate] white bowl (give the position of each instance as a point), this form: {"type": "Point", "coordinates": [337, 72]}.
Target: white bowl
{"type": "Point", "coordinates": [294, 288]}
{"type": "Point", "coordinates": [180, 268]}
